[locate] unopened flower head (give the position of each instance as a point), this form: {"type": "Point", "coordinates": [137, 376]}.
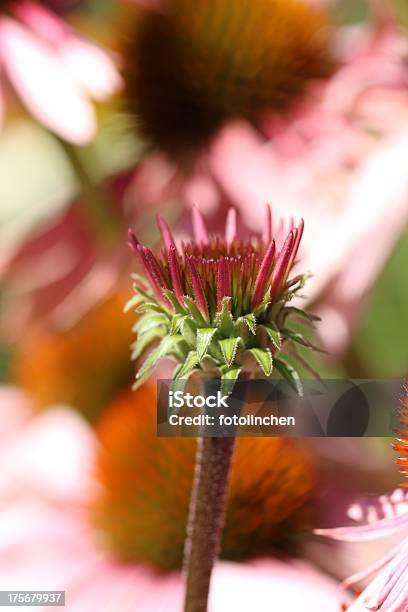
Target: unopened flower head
{"type": "Point", "coordinates": [184, 82]}
{"type": "Point", "coordinates": [219, 302]}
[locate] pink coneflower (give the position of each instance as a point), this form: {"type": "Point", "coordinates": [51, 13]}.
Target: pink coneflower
{"type": "Point", "coordinates": [47, 485]}
{"type": "Point", "coordinates": [55, 72]}
{"type": "Point", "coordinates": [386, 516]}
{"type": "Point", "coordinates": [218, 300]}
{"type": "Point", "coordinates": [382, 517]}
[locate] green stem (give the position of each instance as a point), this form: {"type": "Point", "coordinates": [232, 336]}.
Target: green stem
{"type": "Point", "coordinates": [95, 201]}
{"type": "Point", "coordinates": [206, 518]}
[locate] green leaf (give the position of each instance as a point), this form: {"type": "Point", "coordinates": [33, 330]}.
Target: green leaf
{"type": "Point", "coordinates": [143, 341]}
{"type": "Point", "coordinates": [188, 366]}
{"type": "Point", "coordinates": [134, 301]}
{"type": "Point", "coordinates": [250, 322]}
{"type": "Point", "coordinates": [229, 376]}
{"type": "Point", "coordinates": [264, 359]}
{"type": "Point", "coordinates": [290, 374]}
{"type": "Point", "coordinates": [204, 337]}
{"type": "Point", "coordinates": [229, 348]}
{"type": "Point", "coordinates": [273, 333]}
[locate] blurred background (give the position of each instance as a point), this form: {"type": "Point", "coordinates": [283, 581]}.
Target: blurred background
{"type": "Point", "coordinates": [111, 112]}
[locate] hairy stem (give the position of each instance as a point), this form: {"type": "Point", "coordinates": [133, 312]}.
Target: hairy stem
{"type": "Point", "coordinates": [206, 518]}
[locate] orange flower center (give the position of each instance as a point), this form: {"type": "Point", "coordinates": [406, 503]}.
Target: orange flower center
{"type": "Point", "coordinates": [142, 509]}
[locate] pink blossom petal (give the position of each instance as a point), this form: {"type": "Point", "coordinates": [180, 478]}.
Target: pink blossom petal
{"type": "Point", "coordinates": [52, 455]}
{"type": "Point", "coordinates": [364, 533]}
{"type": "Point", "coordinates": [44, 85]}
{"type": "Point", "coordinates": [91, 67]}
{"type": "Point", "coordinates": [42, 22]}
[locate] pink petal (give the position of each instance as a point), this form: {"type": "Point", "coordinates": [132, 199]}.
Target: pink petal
{"type": "Point", "coordinates": [91, 67]}
{"type": "Point", "coordinates": [44, 85]}
{"type": "Point", "coordinates": [363, 533]}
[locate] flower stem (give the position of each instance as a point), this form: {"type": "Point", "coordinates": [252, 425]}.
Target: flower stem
{"type": "Point", "coordinates": [95, 201]}
{"type": "Point", "coordinates": [206, 518]}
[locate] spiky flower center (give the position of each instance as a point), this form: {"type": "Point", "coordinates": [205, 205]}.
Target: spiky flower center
{"type": "Point", "coordinates": [194, 65]}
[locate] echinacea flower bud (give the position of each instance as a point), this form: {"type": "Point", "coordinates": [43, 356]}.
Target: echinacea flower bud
{"type": "Point", "coordinates": [192, 66]}
{"type": "Point", "coordinates": [218, 303]}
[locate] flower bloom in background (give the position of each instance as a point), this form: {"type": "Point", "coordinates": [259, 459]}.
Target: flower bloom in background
{"type": "Point", "coordinates": [219, 301]}
{"type": "Point", "coordinates": [183, 85]}
{"type": "Point", "coordinates": [387, 516]}
{"type": "Point", "coordinates": [85, 365]}
{"type": "Point", "coordinates": [54, 71]}
{"type": "Point", "coordinates": [68, 494]}
{"type": "Point", "coordinates": [333, 159]}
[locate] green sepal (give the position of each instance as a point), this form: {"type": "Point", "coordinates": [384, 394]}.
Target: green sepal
{"type": "Point", "coordinates": [290, 374]}
{"type": "Point", "coordinates": [177, 323]}
{"type": "Point", "coordinates": [264, 359]}
{"type": "Point", "coordinates": [262, 307]}
{"type": "Point", "coordinates": [229, 348]}
{"type": "Point", "coordinates": [143, 341]}
{"type": "Point", "coordinates": [250, 322]}
{"type": "Point", "coordinates": [204, 337]}
{"type": "Point", "coordinates": [133, 302]}
{"type": "Point", "coordinates": [188, 366]}
{"type": "Point", "coordinates": [195, 312]}
{"type": "Point", "coordinates": [179, 308]}
{"type": "Point", "coordinates": [150, 307]}
{"type": "Point", "coordinates": [273, 334]}
{"type": "Point", "coordinates": [149, 321]}
{"type": "Point", "coordinates": [167, 346]}
{"type": "Point", "coordinates": [300, 339]}
{"type": "Point", "coordinates": [302, 314]}
{"type": "Point", "coordinates": [223, 319]}
{"type": "Point", "coordinates": [189, 331]}
{"type": "Point", "coordinates": [229, 376]}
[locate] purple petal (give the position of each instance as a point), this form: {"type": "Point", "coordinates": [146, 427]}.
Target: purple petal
{"type": "Point", "coordinates": [380, 529]}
